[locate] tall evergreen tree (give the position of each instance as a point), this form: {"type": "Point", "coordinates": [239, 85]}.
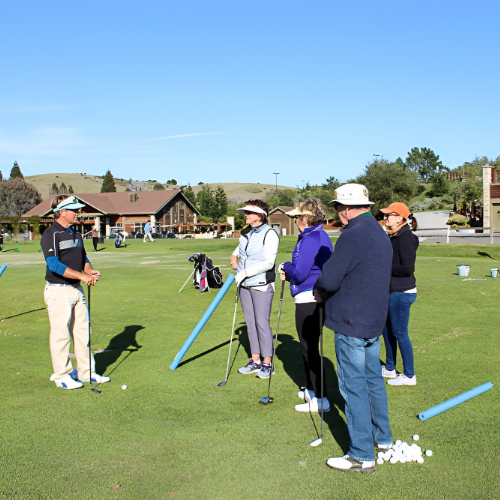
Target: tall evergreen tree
{"type": "Point", "coordinates": [54, 189]}
{"type": "Point", "coordinates": [70, 189]}
{"type": "Point", "coordinates": [1, 176]}
{"type": "Point", "coordinates": [63, 189]}
{"type": "Point", "coordinates": [220, 203]}
{"type": "Point", "coordinates": [425, 162]}
{"type": "Point", "coordinates": [205, 201]}
{"type": "Point", "coordinates": [189, 194]}
{"type": "Point", "coordinates": [108, 183]}
{"type": "Point", "coordinates": [16, 173]}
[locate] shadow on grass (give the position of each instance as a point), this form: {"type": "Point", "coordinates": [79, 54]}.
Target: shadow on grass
{"type": "Point", "coordinates": [22, 314]}
{"type": "Point", "coordinates": [290, 354]}
{"type": "Point", "coordinates": [484, 254]}
{"type": "Point", "coordinates": [117, 345]}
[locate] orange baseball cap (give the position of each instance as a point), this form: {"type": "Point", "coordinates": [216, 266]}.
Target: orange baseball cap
{"type": "Point", "coordinates": [397, 208]}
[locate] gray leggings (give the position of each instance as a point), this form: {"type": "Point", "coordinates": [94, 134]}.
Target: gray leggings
{"type": "Point", "coordinates": [257, 310]}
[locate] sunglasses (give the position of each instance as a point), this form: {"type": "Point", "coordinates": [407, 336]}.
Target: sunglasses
{"type": "Point", "coordinates": [386, 216]}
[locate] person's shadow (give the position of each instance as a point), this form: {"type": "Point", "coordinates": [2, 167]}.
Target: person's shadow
{"type": "Point", "coordinates": [124, 341]}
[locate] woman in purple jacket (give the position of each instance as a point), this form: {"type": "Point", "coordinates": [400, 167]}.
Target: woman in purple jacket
{"type": "Point", "coordinates": [313, 249]}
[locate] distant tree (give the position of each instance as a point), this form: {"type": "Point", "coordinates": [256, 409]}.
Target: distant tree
{"type": "Point", "coordinates": [189, 194]}
{"type": "Point", "coordinates": [473, 186]}
{"type": "Point", "coordinates": [54, 189]}
{"type": "Point", "coordinates": [172, 181]}
{"type": "Point", "coordinates": [200, 183]}
{"type": "Point", "coordinates": [439, 184]}
{"type": "Point", "coordinates": [17, 197]}
{"type": "Point", "coordinates": [325, 193]}
{"type": "Point", "coordinates": [108, 183]}
{"type": "Point", "coordinates": [388, 182]}
{"type": "Point", "coordinates": [15, 173]}
{"type": "Point", "coordinates": [1, 176]}
{"type": "Point", "coordinates": [239, 219]}
{"type": "Point", "coordinates": [282, 197]}
{"type": "Point", "coordinates": [70, 189]}
{"type": "Point", "coordinates": [456, 190]}
{"type": "Point", "coordinates": [425, 162]}
{"type": "Point", "coordinates": [205, 201]}
{"type": "Point", "coordinates": [219, 209]}
{"type": "Point", "coordinates": [158, 187]}
{"type": "Point", "coordinates": [63, 189]}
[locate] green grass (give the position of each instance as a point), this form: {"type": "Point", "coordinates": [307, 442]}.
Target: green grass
{"type": "Point", "coordinates": [176, 434]}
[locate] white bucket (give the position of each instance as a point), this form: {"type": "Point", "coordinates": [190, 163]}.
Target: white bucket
{"type": "Point", "coordinates": [463, 270]}
{"type": "Point", "coordinates": [494, 273]}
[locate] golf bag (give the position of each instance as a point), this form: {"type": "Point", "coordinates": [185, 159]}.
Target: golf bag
{"type": "Point", "coordinates": [206, 276]}
{"type": "Point", "coordinates": [119, 240]}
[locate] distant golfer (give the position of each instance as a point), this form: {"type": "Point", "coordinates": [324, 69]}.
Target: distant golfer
{"type": "Point", "coordinates": [256, 275]}
{"type": "Point", "coordinates": [312, 250]}
{"type": "Point", "coordinates": [403, 293]}
{"type": "Point", "coordinates": [147, 232]}
{"type": "Point", "coordinates": [67, 265]}
{"type": "Point", "coordinates": [95, 237]}
{"type": "Point", "coordinates": [354, 284]}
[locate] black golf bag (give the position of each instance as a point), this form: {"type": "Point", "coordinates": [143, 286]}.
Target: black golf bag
{"type": "Point", "coordinates": [119, 240]}
{"type": "Point", "coordinates": [206, 276]}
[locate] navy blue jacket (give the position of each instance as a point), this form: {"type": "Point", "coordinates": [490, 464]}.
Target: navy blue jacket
{"type": "Point", "coordinates": [357, 280]}
{"type": "Point", "coordinates": [312, 250]}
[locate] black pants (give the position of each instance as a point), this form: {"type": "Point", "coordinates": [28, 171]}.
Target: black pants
{"type": "Point", "coordinates": [94, 241]}
{"type": "Point", "coordinates": [307, 324]}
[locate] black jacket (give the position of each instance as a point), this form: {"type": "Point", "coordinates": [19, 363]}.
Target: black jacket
{"type": "Point", "coordinates": [404, 253]}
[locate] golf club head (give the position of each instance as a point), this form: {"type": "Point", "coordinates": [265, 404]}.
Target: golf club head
{"type": "Point", "coordinates": [95, 390]}
{"type": "Point", "coordinates": [316, 442]}
{"type": "Point", "coordinates": [222, 384]}
{"type": "Point", "coordinates": [265, 401]}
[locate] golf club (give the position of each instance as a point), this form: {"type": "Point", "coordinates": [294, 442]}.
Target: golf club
{"type": "Point", "coordinates": [95, 390]}
{"type": "Point", "coordinates": [319, 440]}
{"type": "Point", "coordinates": [269, 400]}
{"type": "Point", "coordinates": [224, 382]}
{"type": "Point", "coordinates": [182, 288]}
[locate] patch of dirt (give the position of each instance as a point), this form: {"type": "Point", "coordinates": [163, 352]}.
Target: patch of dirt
{"type": "Point", "coordinates": [449, 336]}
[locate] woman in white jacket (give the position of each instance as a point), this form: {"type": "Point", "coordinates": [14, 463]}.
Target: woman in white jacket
{"type": "Point", "coordinates": [256, 273]}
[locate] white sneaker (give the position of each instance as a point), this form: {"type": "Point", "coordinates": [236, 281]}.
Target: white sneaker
{"type": "Point", "coordinates": [98, 379]}
{"type": "Point", "coordinates": [314, 406]}
{"type": "Point", "coordinates": [388, 373]}
{"type": "Point", "coordinates": [68, 383]}
{"type": "Point", "coordinates": [402, 379]}
{"type": "Point", "coordinates": [306, 394]}
{"type": "Point", "coordinates": [73, 374]}
{"type": "Point", "coordinates": [347, 463]}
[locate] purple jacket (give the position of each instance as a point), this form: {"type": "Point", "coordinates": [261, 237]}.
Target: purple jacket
{"type": "Point", "coordinates": [312, 250]}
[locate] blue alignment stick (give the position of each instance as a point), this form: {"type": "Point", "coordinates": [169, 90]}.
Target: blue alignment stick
{"type": "Point", "coordinates": [203, 320]}
{"type": "Point", "coordinates": [2, 269]}
{"type": "Point", "coordinates": [446, 405]}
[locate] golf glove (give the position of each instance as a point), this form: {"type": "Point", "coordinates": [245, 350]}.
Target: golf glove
{"type": "Point", "coordinates": [240, 277]}
{"type": "Point", "coordinates": [281, 268]}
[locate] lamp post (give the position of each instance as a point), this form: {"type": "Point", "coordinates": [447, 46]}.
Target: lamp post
{"type": "Point", "coordinates": [276, 174]}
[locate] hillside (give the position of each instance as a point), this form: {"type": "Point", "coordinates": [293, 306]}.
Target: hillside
{"type": "Point", "coordinates": [236, 192]}
{"type": "Point", "coordinates": [81, 183]}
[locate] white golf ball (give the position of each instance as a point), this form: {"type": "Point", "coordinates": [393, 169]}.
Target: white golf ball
{"type": "Point", "coordinates": [124, 387]}
{"type": "Point", "coordinates": [428, 453]}
{"type": "Point", "coordinates": [398, 442]}
{"type": "Point", "coordinates": [380, 454]}
{"type": "Point", "coordinates": [380, 461]}
{"type": "Point", "coordinates": [394, 460]}
{"type": "Point", "coordinates": [403, 459]}
{"type": "Point", "coordinates": [416, 437]}
{"type": "Point", "coordinates": [420, 460]}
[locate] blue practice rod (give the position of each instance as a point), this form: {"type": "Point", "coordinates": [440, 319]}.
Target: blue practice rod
{"type": "Point", "coordinates": [203, 320]}
{"type": "Point", "coordinates": [2, 269]}
{"type": "Point", "coordinates": [446, 405]}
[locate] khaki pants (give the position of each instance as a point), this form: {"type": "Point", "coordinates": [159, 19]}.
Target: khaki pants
{"type": "Point", "coordinates": [69, 319]}
{"type": "Point", "coordinates": [146, 235]}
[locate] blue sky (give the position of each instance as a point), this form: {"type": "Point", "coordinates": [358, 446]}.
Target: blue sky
{"type": "Point", "coordinates": [234, 90]}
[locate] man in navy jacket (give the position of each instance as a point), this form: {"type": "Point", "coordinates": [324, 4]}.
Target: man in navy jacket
{"type": "Point", "coordinates": [354, 284]}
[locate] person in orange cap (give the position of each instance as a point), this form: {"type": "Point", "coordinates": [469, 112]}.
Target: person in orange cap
{"type": "Point", "coordinates": [403, 293]}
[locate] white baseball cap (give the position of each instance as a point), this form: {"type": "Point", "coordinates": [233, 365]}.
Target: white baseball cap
{"type": "Point", "coordinates": [352, 195]}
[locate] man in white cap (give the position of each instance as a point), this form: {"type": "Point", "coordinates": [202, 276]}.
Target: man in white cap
{"type": "Point", "coordinates": [67, 265]}
{"type": "Point", "coordinates": [354, 284]}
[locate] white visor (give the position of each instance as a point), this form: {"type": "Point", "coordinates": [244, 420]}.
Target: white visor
{"type": "Point", "coordinates": [251, 208]}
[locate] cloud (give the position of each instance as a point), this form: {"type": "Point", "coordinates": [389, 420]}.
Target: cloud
{"type": "Point", "coordinates": [184, 135]}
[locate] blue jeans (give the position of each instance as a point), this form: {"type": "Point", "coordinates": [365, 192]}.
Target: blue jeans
{"type": "Point", "coordinates": [363, 389]}
{"type": "Point", "coordinates": [396, 332]}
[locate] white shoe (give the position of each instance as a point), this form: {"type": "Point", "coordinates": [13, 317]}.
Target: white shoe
{"type": "Point", "coordinates": [388, 373]}
{"type": "Point", "coordinates": [306, 394]}
{"type": "Point", "coordinates": [73, 374]}
{"type": "Point", "coordinates": [68, 383]}
{"type": "Point", "coordinates": [347, 463]}
{"type": "Point", "coordinates": [98, 379]}
{"type": "Point", "coordinates": [314, 406]}
{"type": "Point", "coordinates": [402, 379]}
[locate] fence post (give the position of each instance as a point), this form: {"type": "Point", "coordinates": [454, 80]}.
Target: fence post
{"type": "Point", "coordinates": [492, 234]}
{"type": "Point", "coordinates": [448, 235]}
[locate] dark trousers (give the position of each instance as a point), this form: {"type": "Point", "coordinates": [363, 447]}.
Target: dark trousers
{"type": "Point", "coordinates": [94, 241]}
{"type": "Point", "coordinates": [307, 324]}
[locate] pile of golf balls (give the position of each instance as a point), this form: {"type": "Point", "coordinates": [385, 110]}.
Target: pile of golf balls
{"type": "Point", "coordinates": [403, 453]}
